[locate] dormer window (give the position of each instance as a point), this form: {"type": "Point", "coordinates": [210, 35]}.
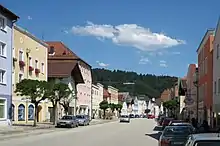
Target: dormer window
{"type": "Point", "coordinates": [51, 52]}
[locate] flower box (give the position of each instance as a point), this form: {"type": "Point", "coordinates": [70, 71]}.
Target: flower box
{"type": "Point", "coordinates": [31, 68]}
{"type": "Point", "coordinates": [22, 63]}
{"type": "Point", "coordinates": [37, 71]}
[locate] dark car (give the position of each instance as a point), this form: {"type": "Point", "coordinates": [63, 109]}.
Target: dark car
{"type": "Point", "coordinates": [137, 116]}
{"type": "Point", "coordinates": [175, 135]}
{"type": "Point", "coordinates": [131, 115]}
{"type": "Point", "coordinates": [175, 121]}
{"type": "Point", "coordinates": [166, 122]}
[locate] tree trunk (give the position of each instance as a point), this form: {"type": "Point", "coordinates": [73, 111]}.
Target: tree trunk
{"type": "Point", "coordinates": [104, 114]}
{"type": "Point", "coordinates": [55, 114]}
{"type": "Point", "coordinates": [35, 114]}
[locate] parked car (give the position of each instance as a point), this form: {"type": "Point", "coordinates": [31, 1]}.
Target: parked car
{"type": "Point", "coordinates": [166, 122]}
{"type": "Point", "coordinates": [175, 121]}
{"type": "Point", "coordinates": [131, 115]}
{"type": "Point", "coordinates": [149, 116]}
{"type": "Point", "coordinates": [137, 116]}
{"type": "Point", "coordinates": [174, 135]}
{"type": "Point", "coordinates": [125, 118]}
{"type": "Point", "coordinates": [83, 120]}
{"type": "Point", "coordinates": [204, 139]}
{"type": "Point", "coordinates": [67, 121]}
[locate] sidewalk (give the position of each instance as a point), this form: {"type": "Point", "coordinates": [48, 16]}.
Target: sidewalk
{"type": "Point", "coordinates": [27, 130]}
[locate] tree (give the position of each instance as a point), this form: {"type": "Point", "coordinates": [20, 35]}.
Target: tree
{"type": "Point", "coordinates": [112, 106]}
{"type": "Point", "coordinates": [147, 111]}
{"type": "Point", "coordinates": [55, 93]}
{"type": "Point", "coordinates": [171, 105]}
{"type": "Point", "coordinates": [67, 99]}
{"type": "Point", "coordinates": [119, 107]}
{"type": "Point", "coordinates": [104, 106]}
{"type": "Point", "coordinates": [33, 90]}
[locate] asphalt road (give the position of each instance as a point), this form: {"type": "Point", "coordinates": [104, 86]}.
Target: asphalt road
{"type": "Point", "coordinates": [138, 132]}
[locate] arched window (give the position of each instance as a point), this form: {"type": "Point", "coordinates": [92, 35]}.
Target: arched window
{"type": "Point", "coordinates": [12, 112]}
{"type": "Point", "coordinates": [21, 112]}
{"type": "Point", "coordinates": [31, 112]}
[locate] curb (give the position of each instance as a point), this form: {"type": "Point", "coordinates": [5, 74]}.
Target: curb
{"type": "Point", "coordinates": [50, 130]}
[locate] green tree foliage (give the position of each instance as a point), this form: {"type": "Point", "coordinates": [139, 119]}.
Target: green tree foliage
{"type": "Point", "coordinates": [112, 106]}
{"type": "Point", "coordinates": [34, 91]}
{"type": "Point", "coordinates": [171, 104]}
{"type": "Point", "coordinates": [104, 106]}
{"type": "Point", "coordinates": [147, 111]}
{"type": "Point", "coordinates": [56, 92]}
{"type": "Point", "coordinates": [145, 84]}
{"type": "Point", "coordinates": [118, 107]}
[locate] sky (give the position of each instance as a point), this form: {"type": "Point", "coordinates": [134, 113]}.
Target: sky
{"type": "Point", "coordinates": [155, 37]}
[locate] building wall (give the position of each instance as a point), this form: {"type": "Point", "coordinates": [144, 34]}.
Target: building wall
{"type": "Point", "coordinates": [97, 97]}
{"type": "Point", "coordinates": [114, 94]}
{"type": "Point", "coordinates": [6, 37]}
{"type": "Point", "coordinates": [85, 90]}
{"type": "Point", "coordinates": [37, 52]}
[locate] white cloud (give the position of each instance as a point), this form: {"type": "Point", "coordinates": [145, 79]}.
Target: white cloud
{"type": "Point", "coordinates": [128, 35]}
{"type": "Point", "coordinates": [163, 61]}
{"type": "Point", "coordinates": [163, 65]}
{"type": "Point", "coordinates": [29, 18]}
{"type": "Point", "coordinates": [101, 64]}
{"type": "Point", "coordinates": [144, 60]}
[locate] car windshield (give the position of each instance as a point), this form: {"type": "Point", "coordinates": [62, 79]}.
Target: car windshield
{"type": "Point", "coordinates": [80, 117]}
{"type": "Point", "coordinates": [208, 143]}
{"type": "Point", "coordinates": [124, 116]}
{"type": "Point", "coordinates": [177, 131]}
{"type": "Point", "coordinates": [67, 118]}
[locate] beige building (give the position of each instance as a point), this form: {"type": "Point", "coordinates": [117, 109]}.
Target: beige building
{"type": "Point", "coordinates": [113, 94]}
{"type": "Point", "coordinates": [29, 62]}
{"type": "Point", "coordinates": [97, 97]}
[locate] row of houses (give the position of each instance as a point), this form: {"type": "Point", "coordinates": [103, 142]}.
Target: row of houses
{"type": "Point", "coordinates": [24, 56]}
{"type": "Point", "coordinates": [200, 89]}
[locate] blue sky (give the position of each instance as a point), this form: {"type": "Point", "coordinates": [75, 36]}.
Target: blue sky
{"type": "Point", "coordinates": [159, 37]}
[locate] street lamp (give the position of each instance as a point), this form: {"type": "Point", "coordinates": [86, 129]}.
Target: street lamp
{"type": "Point", "coordinates": [196, 84]}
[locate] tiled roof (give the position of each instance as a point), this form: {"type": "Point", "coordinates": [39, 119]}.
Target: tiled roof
{"type": "Point", "coordinates": [165, 95]}
{"type": "Point", "coordinates": [61, 51]}
{"type": "Point", "coordinates": [65, 68]}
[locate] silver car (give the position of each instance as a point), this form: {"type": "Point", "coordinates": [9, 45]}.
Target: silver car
{"type": "Point", "coordinates": [125, 118]}
{"type": "Point", "coordinates": [83, 120]}
{"type": "Point", "coordinates": [67, 121]}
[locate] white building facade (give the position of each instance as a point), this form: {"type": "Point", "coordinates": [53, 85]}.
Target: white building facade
{"type": "Point", "coordinates": [114, 94]}
{"type": "Point", "coordinates": [97, 97]}
{"type": "Point", "coordinates": [84, 91]}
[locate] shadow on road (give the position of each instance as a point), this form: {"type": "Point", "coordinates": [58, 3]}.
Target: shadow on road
{"type": "Point", "coordinates": [154, 135]}
{"type": "Point", "coordinates": [157, 135]}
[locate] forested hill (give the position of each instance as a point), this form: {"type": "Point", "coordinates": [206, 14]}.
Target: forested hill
{"type": "Point", "coordinates": [145, 84]}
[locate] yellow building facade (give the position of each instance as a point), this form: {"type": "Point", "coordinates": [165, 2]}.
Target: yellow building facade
{"type": "Point", "coordinates": [29, 62]}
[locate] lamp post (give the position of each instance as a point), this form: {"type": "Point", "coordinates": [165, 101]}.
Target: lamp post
{"type": "Point", "coordinates": [196, 84]}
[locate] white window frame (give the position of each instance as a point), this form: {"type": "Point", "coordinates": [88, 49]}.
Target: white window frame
{"type": "Point", "coordinates": [4, 23]}
{"type": "Point", "coordinates": [22, 57]}
{"type": "Point", "coordinates": [13, 78]}
{"type": "Point", "coordinates": [36, 64]}
{"type": "Point", "coordinates": [30, 61]}
{"type": "Point", "coordinates": [42, 67]}
{"type": "Point", "coordinates": [5, 104]}
{"type": "Point", "coordinates": [215, 87]}
{"type": "Point", "coordinates": [3, 48]}
{"type": "Point", "coordinates": [3, 76]}
{"type": "Point", "coordinates": [13, 52]}
{"type": "Point", "coordinates": [218, 86]}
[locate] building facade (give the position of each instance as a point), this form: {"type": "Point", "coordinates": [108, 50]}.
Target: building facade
{"type": "Point", "coordinates": [204, 52]}
{"type": "Point", "coordinates": [65, 64]}
{"type": "Point", "coordinates": [29, 62]}
{"type": "Point", "coordinates": [97, 97]}
{"type": "Point", "coordinates": [191, 94]}
{"type": "Point", "coordinates": [7, 19]}
{"type": "Point", "coordinates": [216, 75]}
{"type": "Point", "coordinates": [114, 94]}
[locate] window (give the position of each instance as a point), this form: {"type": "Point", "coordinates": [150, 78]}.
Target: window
{"type": "Point", "coordinates": [2, 76]}
{"type": "Point", "coordinates": [217, 53]}
{"type": "Point", "coordinates": [13, 52]}
{"type": "Point", "coordinates": [206, 65]}
{"type": "Point", "coordinates": [2, 49]}
{"type": "Point", "coordinates": [21, 55]}
{"type": "Point", "coordinates": [36, 64]}
{"type": "Point", "coordinates": [30, 61]}
{"type": "Point", "coordinates": [218, 85]}
{"type": "Point", "coordinates": [31, 112]}
{"type": "Point", "coordinates": [13, 78]}
{"type": "Point", "coordinates": [2, 108]}
{"type": "Point", "coordinates": [215, 87]}
{"type": "Point", "coordinates": [12, 112]}
{"type": "Point", "coordinates": [2, 22]}
{"type": "Point", "coordinates": [21, 112]}
{"type": "Point", "coordinates": [42, 67]}
{"type": "Point", "coordinates": [20, 77]}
